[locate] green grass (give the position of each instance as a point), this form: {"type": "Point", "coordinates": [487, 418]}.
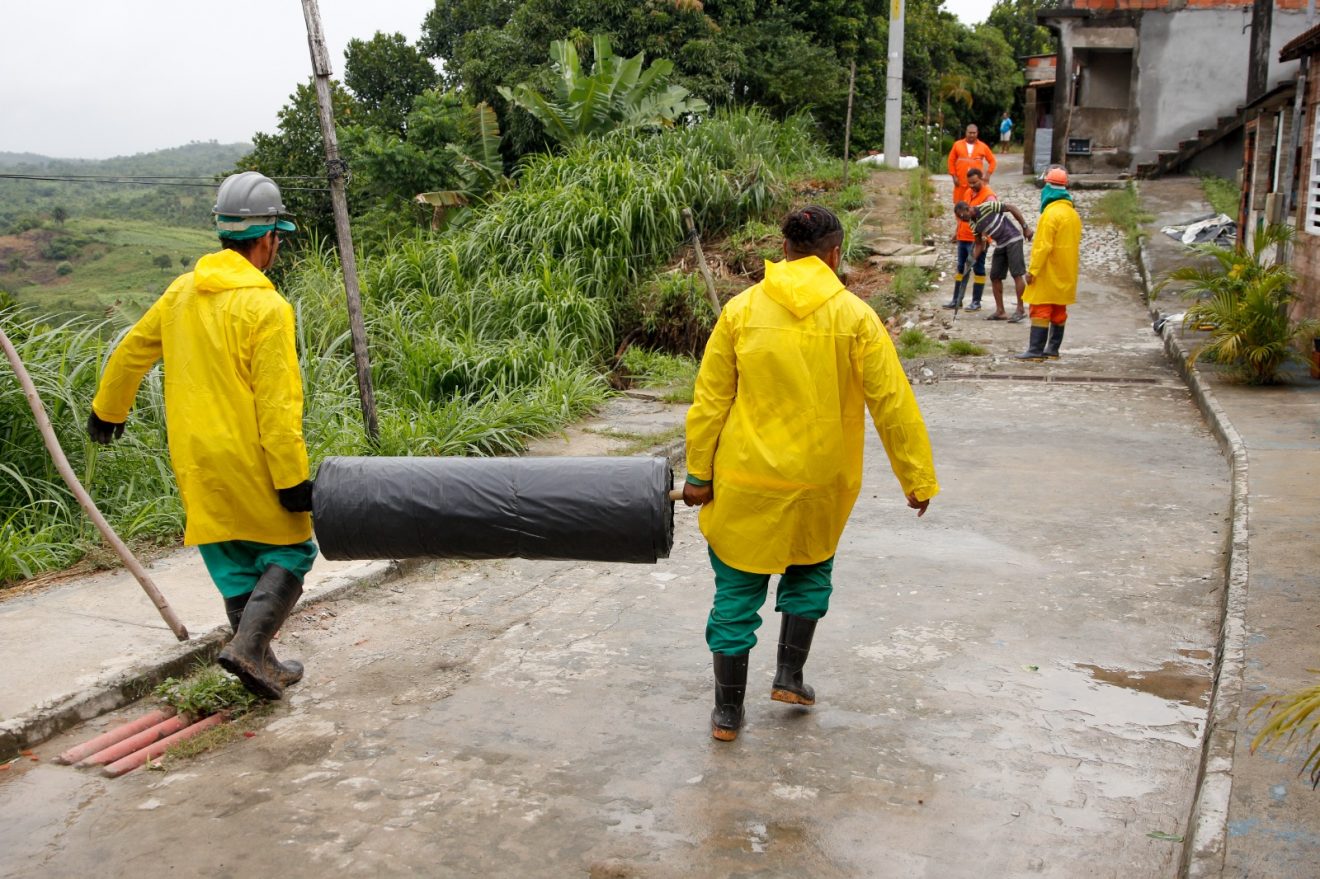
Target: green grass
{"type": "Point", "coordinates": [964, 348]}
{"type": "Point", "coordinates": [917, 204]}
{"type": "Point", "coordinates": [1122, 208]}
{"type": "Point", "coordinates": [913, 343]}
{"type": "Point", "coordinates": [208, 690]}
{"type": "Point", "coordinates": [655, 369]}
{"type": "Point", "coordinates": [1222, 194]}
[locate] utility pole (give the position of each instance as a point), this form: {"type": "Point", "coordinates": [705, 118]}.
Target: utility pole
{"type": "Point", "coordinates": [894, 86]}
{"type": "Point", "coordinates": [1258, 60]}
{"type": "Point", "coordinates": [337, 171]}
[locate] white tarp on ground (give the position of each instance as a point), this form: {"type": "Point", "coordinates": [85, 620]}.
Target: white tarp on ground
{"type": "Point", "coordinates": [905, 163]}
{"type": "Point", "coordinates": [1219, 229]}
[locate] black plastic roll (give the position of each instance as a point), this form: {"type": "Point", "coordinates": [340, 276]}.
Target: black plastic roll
{"type": "Point", "coordinates": [586, 509]}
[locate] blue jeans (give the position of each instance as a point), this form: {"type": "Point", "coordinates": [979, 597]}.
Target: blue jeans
{"type": "Point", "coordinates": [978, 271]}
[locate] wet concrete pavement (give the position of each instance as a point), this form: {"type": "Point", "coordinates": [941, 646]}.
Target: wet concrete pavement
{"type": "Point", "coordinates": [1013, 685]}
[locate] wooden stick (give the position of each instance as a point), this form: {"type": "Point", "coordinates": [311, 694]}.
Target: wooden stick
{"type": "Point", "coordinates": [701, 260]}
{"type": "Point", "coordinates": [84, 499]}
{"type": "Point", "coordinates": [847, 125]}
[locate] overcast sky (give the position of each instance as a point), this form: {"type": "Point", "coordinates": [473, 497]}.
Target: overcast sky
{"type": "Point", "coordinates": [99, 78]}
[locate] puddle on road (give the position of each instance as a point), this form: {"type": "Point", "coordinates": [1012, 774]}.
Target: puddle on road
{"type": "Point", "coordinates": [1174, 681]}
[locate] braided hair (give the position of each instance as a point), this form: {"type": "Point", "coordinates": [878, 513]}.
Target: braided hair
{"type": "Point", "coordinates": [812, 230]}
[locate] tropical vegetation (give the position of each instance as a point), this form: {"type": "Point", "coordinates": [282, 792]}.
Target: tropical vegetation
{"type": "Point", "coordinates": [1243, 297]}
{"type": "Point", "coordinates": [495, 330]}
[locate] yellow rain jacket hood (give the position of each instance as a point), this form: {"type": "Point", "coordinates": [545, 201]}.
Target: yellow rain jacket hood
{"type": "Point", "coordinates": [233, 399]}
{"type": "Point", "coordinates": [777, 421]}
{"type": "Point", "coordinates": [1055, 256]}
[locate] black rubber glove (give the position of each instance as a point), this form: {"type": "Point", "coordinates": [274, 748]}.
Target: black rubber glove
{"type": "Point", "coordinates": [297, 498]}
{"type": "Point", "coordinates": [103, 432]}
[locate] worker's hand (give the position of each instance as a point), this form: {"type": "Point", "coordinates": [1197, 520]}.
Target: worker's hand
{"type": "Point", "coordinates": [953, 239]}
{"type": "Point", "coordinates": [919, 506]}
{"type": "Point", "coordinates": [698, 495]}
{"type": "Point", "coordinates": [297, 498]}
{"type": "Point", "coordinates": [103, 432]}
{"type": "Point", "coordinates": [1031, 279]}
{"type": "Point", "coordinates": [1027, 231]}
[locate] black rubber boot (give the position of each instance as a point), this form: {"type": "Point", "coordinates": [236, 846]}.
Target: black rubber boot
{"type": "Point", "coordinates": [730, 688]}
{"type": "Point", "coordinates": [1052, 346]}
{"type": "Point", "coordinates": [956, 301]}
{"type": "Point", "coordinates": [287, 673]}
{"type": "Point", "coordinates": [248, 656]}
{"type": "Point", "coordinates": [978, 290]}
{"type": "Point", "coordinates": [794, 644]}
{"type": "Point", "coordinates": [1036, 344]}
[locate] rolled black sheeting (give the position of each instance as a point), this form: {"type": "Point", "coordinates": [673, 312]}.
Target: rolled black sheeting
{"type": "Point", "coordinates": [585, 509]}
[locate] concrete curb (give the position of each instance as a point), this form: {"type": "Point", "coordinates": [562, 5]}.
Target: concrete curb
{"type": "Point", "coordinates": [1205, 844]}
{"type": "Point", "coordinates": [122, 688]}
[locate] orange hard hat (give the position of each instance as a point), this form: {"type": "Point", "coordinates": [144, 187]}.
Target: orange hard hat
{"type": "Point", "coordinates": [1056, 176]}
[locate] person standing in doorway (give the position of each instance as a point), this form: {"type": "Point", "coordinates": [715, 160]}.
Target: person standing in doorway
{"type": "Point", "coordinates": [774, 451]}
{"type": "Point", "coordinates": [1052, 274]}
{"type": "Point", "coordinates": [233, 410]}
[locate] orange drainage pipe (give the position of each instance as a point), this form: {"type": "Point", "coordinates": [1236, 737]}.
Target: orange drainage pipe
{"type": "Point", "coordinates": [135, 742]}
{"type": "Point", "coordinates": [118, 734]}
{"type": "Point", "coordinates": [137, 758]}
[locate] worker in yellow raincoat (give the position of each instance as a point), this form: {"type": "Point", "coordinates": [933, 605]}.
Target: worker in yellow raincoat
{"type": "Point", "coordinates": [774, 451]}
{"type": "Point", "coordinates": [1055, 261]}
{"type": "Point", "coordinates": [233, 410]}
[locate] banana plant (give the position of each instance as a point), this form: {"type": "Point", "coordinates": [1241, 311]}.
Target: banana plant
{"type": "Point", "coordinates": [479, 166]}
{"type": "Point", "coordinates": [618, 93]}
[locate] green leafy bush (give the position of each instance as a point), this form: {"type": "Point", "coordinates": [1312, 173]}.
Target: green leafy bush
{"type": "Point", "coordinates": [1244, 296]}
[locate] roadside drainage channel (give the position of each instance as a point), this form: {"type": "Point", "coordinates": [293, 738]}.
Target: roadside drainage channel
{"type": "Point", "coordinates": [1056, 378]}
{"type": "Point", "coordinates": [1206, 842]}
{"type": "Point", "coordinates": [22, 733]}
{"type": "Point", "coordinates": [135, 744]}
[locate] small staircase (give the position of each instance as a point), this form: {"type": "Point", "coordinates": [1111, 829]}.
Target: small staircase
{"type": "Point", "coordinates": [1170, 161]}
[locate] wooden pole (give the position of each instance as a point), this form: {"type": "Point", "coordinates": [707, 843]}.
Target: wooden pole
{"type": "Point", "coordinates": [337, 170]}
{"type": "Point", "coordinates": [847, 125]}
{"type": "Point", "coordinates": [701, 260]}
{"type": "Point", "coordinates": [84, 499]}
{"type": "Point", "coordinates": [925, 135]}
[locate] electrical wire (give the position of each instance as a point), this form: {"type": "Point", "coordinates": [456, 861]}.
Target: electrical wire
{"type": "Point", "coordinates": [147, 181]}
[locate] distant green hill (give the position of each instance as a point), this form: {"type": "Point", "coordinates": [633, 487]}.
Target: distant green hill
{"type": "Point", "coordinates": [24, 204]}
{"type": "Point", "coordinates": [94, 248]}
{"type": "Point", "coordinates": [98, 267]}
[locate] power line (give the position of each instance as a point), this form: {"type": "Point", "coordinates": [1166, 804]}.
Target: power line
{"type": "Point", "coordinates": [148, 181]}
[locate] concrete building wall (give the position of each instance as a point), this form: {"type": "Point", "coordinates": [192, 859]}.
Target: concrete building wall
{"type": "Point", "coordinates": [1192, 69]}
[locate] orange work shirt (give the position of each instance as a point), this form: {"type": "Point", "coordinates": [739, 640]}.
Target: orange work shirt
{"type": "Point", "coordinates": [965, 232]}
{"type": "Point", "coordinates": [961, 158]}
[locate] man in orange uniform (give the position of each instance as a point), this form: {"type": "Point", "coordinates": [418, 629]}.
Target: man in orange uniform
{"type": "Point", "coordinates": [977, 192]}
{"type": "Point", "coordinates": [968, 154]}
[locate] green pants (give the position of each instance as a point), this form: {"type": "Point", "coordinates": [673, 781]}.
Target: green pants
{"type": "Point", "coordinates": [803, 590]}
{"type": "Point", "coordinates": [236, 565]}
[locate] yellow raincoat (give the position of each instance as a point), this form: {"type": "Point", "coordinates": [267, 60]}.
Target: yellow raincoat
{"type": "Point", "coordinates": [233, 399]}
{"type": "Point", "coordinates": [1055, 253]}
{"type": "Point", "coordinates": [778, 415]}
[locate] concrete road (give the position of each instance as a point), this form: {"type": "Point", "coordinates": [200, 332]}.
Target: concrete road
{"type": "Point", "coordinates": [1013, 685]}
